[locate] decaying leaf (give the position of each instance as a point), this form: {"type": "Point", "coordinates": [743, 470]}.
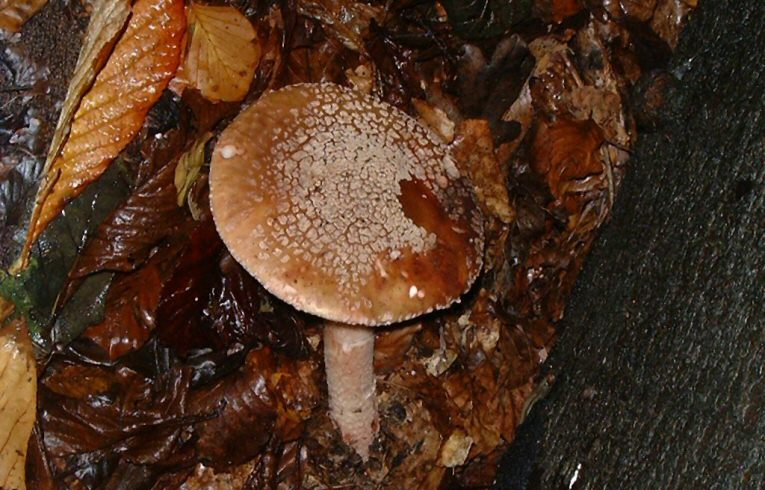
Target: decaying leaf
{"type": "Point", "coordinates": [475, 19]}
{"type": "Point", "coordinates": [348, 21]}
{"type": "Point", "coordinates": [474, 151]}
{"type": "Point", "coordinates": [222, 54]}
{"type": "Point", "coordinates": [567, 153]}
{"type": "Point", "coordinates": [14, 13]}
{"type": "Point", "coordinates": [111, 113]}
{"type": "Point", "coordinates": [189, 165]}
{"type": "Point", "coordinates": [18, 397]}
{"type": "Point", "coordinates": [193, 366]}
{"type": "Point", "coordinates": [125, 238]}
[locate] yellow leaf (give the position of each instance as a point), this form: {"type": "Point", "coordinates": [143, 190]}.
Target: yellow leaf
{"type": "Point", "coordinates": [189, 165]}
{"type": "Point", "coordinates": [111, 113]}
{"type": "Point", "coordinates": [18, 399]}
{"type": "Point", "coordinates": [14, 13]}
{"type": "Point", "coordinates": [222, 55]}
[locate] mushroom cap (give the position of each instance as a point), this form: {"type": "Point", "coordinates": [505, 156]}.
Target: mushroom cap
{"type": "Point", "coordinates": [344, 206]}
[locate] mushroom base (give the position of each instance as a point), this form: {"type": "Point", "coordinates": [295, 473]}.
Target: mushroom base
{"type": "Point", "coordinates": [348, 360]}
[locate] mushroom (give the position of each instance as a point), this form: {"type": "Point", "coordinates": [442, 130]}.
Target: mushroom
{"type": "Point", "coordinates": [348, 209]}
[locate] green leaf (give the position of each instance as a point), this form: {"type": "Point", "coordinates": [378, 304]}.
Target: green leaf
{"type": "Point", "coordinates": [189, 166]}
{"type": "Point", "coordinates": [36, 289]}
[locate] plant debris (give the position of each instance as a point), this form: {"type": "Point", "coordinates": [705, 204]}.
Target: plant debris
{"type": "Point", "coordinates": [161, 363]}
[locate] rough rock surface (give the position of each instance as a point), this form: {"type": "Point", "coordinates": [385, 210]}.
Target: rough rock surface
{"type": "Point", "coordinates": [658, 372]}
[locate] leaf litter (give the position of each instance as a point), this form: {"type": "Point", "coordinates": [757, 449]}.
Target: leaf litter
{"type": "Point", "coordinates": [163, 364]}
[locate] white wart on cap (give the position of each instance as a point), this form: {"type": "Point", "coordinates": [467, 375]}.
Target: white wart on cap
{"type": "Point", "coordinates": [344, 206]}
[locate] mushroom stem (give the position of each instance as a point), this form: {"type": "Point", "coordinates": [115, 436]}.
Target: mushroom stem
{"type": "Point", "coordinates": [349, 364]}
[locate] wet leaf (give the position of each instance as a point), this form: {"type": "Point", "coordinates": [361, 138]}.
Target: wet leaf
{"type": "Point", "coordinates": [314, 57]}
{"type": "Point", "coordinates": [111, 113]}
{"type": "Point", "coordinates": [396, 77]}
{"type": "Point", "coordinates": [189, 165]}
{"type": "Point", "coordinates": [474, 150]}
{"type": "Point", "coordinates": [347, 20]}
{"type": "Point", "coordinates": [14, 13]}
{"type": "Point", "coordinates": [18, 388]}
{"type": "Point", "coordinates": [36, 288]}
{"type": "Point", "coordinates": [558, 10]}
{"type": "Point", "coordinates": [106, 22]}
{"type": "Point", "coordinates": [131, 306]}
{"type": "Point", "coordinates": [566, 152]}
{"type": "Point", "coordinates": [222, 55]}
{"type": "Point", "coordinates": [125, 238]}
{"type": "Point", "coordinates": [211, 301]}
{"type": "Point", "coordinates": [476, 19]}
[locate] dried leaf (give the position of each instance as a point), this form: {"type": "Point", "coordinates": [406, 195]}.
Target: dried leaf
{"type": "Point", "coordinates": [112, 112]}
{"type": "Point", "coordinates": [391, 346]}
{"type": "Point", "coordinates": [189, 165]}
{"type": "Point", "coordinates": [18, 398]}
{"type": "Point", "coordinates": [222, 55]}
{"type": "Point", "coordinates": [14, 13]}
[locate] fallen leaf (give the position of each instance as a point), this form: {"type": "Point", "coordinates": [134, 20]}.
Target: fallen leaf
{"type": "Point", "coordinates": [479, 19]}
{"type": "Point", "coordinates": [391, 346]}
{"type": "Point", "coordinates": [131, 306]}
{"type": "Point", "coordinates": [436, 119]}
{"type": "Point", "coordinates": [347, 20]}
{"type": "Point", "coordinates": [474, 151]}
{"type": "Point", "coordinates": [112, 112]}
{"type": "Point", "coordinates": [396, 78]}
{"type": "Point", "coordinates": [124, 239]}
{"type": "Point", "coordinates": [106, 22]}
{"type": "Point", "coordinates": [18, 397]}
{"type": "Point", "coordinates": [222, 55]}
{"type": "Point", "coordinates": [189, 165]}
{"type": "Point", "coordinates": [558, 10]}
{"type": "Point", "coordinates": [565, 152]}
{"type": "Point", "coordinates": [14, 13]}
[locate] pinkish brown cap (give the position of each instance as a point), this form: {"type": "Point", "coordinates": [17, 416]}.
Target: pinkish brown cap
{"type": "Point", "coordinates": [344, 206]}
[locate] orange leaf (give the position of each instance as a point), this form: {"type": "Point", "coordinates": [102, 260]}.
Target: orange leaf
{"type": "Point", "coordinates": [222, 55]}
{"type": "Point", "coordinates": [111, 113]}
{"type": "Point", "coordinates": [14, 13]}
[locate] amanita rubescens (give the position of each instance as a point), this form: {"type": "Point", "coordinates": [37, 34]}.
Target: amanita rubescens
{"type": "Point", "coordinates": [348, 209]}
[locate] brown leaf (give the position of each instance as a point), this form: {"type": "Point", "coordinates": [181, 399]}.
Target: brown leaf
{"type": "Point", "coordinates": [14, 13]}
{"type": "Point", "coordinates": [124, 239]}
{"type": "Point", "coordinates": [18, 399]}
{"type": "Point", "coordinates": [264, 400]}
{"type": "Point", "coordinates": [474, 150]}
{"type": "Point", "coordinates": [346, 20]}
{"type": "Point", "coordinates": [566, 151]}
{"type": "Point", "coordinates": [131, 306]}
{"type": "Point", "coordinates": [391, 346]}
{"type": "Point", "coordinates": [112, 112]}
{"type": "Point", "coordinates": [558, 10]}
{"type": "Point", "coordinates": [314, 57]}
{"type": "Point", "coordinates": [222, 54]}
